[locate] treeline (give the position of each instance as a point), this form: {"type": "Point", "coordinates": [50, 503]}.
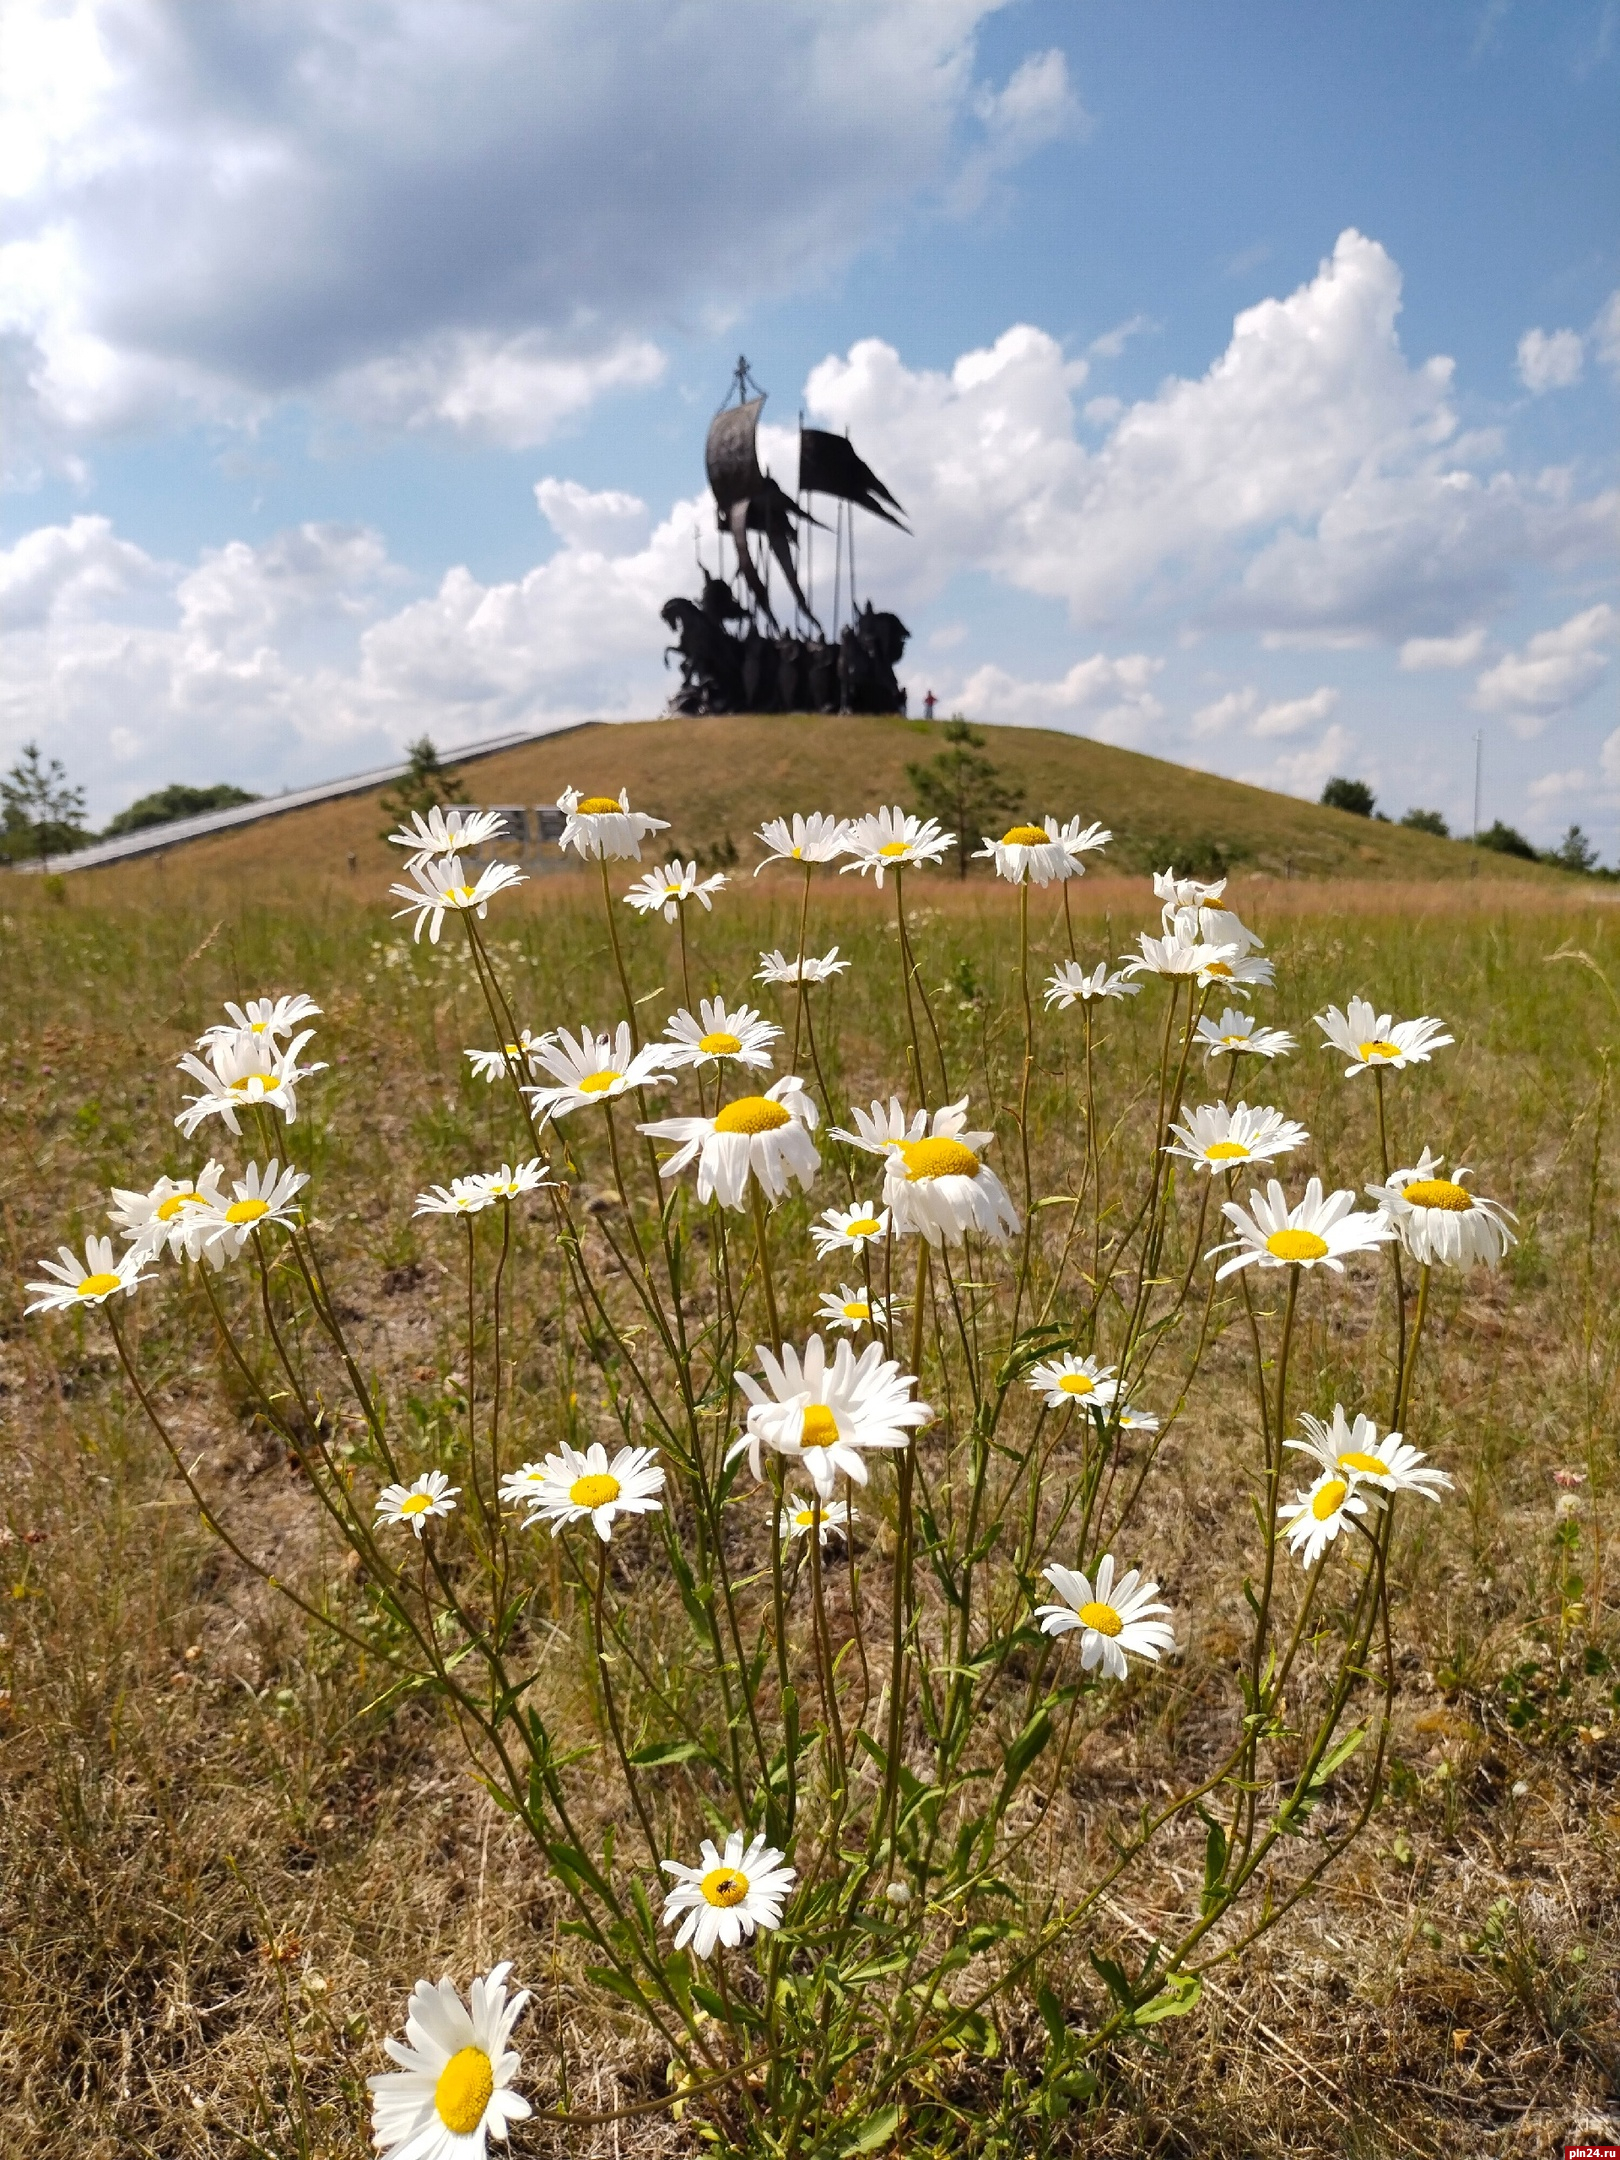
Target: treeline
{"type": "Point", "coordinates": [42, 812]}
{"type": "Point", "coordinates": [1574, 852]}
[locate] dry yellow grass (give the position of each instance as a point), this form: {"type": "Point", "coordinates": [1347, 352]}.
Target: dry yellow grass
{"type": "Point", "coordinates": [721, 777]}
{"type": "Point", "coordinates": [221, 1859]}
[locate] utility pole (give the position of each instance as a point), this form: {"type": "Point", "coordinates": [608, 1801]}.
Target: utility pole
{"type": "Point", "coordinates": [1479, 738]}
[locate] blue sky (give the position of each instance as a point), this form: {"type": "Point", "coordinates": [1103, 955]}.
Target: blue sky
{"type": "Point", "coordinates": [1249, 371]}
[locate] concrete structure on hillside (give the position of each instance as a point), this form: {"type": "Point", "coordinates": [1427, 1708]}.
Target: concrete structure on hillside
{"type": "Point", "coordinates": [536, 825]}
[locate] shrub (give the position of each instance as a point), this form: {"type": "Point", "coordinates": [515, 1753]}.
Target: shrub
{"type": "Point", "coordinates": [1429, 821]}
{"type": "Point", "coordinates": [1352, 795]}
{"type": "Point", "coordinates": [1504, 840]}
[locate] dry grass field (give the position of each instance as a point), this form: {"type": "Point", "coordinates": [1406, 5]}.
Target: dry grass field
{"type": "Point", "coordinates": [227, 1847]}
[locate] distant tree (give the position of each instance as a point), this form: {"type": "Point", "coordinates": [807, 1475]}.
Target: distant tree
{"type": "Point", "coordinates": [1352, 795]}
{"type": "Point", "coordinates": [1574, 852]}
{"type": "Point", "coordinates": [175, 801]}
{"type": "Point", "coordinates": [1504, 840]}
{"type": "Point", "coordinates": [965, 791]}
{"type": "Point", "coordinates": [1427, 821]}
{"type": "Point", "coordinates": [43, 815]}
{"type": "Point", "coordinates": [424, 783]}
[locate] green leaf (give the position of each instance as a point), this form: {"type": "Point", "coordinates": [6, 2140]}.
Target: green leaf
{"type": "Point", "coordinates": [877, 2130]}
{"type": "Point", "coordinates": [1025, 1750]}
{"type": "Point", "coordinates": [1179, 1994]}
{"type": "Point", "coordinates": [659, 1752]}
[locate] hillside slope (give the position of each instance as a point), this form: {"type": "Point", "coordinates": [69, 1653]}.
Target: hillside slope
{"type": "Point", "coordinates": [721, 777]}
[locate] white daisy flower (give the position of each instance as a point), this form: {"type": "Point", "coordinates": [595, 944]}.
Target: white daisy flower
{"type": "Point", "coordinates": [1180, 953]}
{"type": "Point", "coordinates": [740, 1037]}
{"type": "Point", "coordinates": [100, 1275]}
{"type": "Point", "coordinates": [1217, 926]}
{"type": "Point", "coordinates": [1317, 1232]}
{"type": "Point", "coordinates": [841, 1229]}
{"type": "Point", "coordinates": [1440, 1220]}
{"type": "Point", "coordinates": [776, 967]}
{"type": "Point", "coordinates": [600, 828]}
{"type": "Point", "coordinates": [272, 1017]}
{"type": "Point", "coordinates": [828, 1518]}
{"type": "Point", "coordinates": [1071, 982]}
{"type": "Point", "coordinates": [672, 884]}
{"type": "Point", "coordinates": [244, 1070]}
{"type": "Point", "coordinates": [462, 1196]}
{"type": "Point", "coordinates": [768, 1135]}
{"type": "Point", "coordinates": [447, 832]}
{"type": "Point", "coordinates": [509, 1183]}
{"type": "Point", "coordinates": [454, 2083]}
{"type": "Point", "coordinates": [570, 1485]}
{"type": "Point", "coordinates": [1115, 1619]}
{"type": "Point", "coordinates": [430, 1494]}
{"type": "Point", "coordinates": [260, 1198]}
{"type": "Point", "coordinates": [1130, 1419]}
{"type": "Point", "coordinates": [1371, 1038]}
{"type": "Point", "coordinates": [493, 1065]}
{"type": "Point", "coordinates": [1069, 1381]}
{"type": "Point", "coordinates": [893, 839]}
{"type": "Point", "coordinates": [934, 1182]}
{"type": "Point", "coordinates": [1238, 1034]}
{"type": "Point", "coordinates": [1217, 1137]}
{"type": "Point", "coordinates": [440, 887]}
{"type": "Point", "coordinates": [1245, 972]}
{"type": "Point", "coordinates": [1312, 1520]}
{"type": "Point", "coordinates": [729, 1895]}
{"type": "Point", "coordinates": [851, 1309]}
{"type": "Point", "coordinates": [1177, 893]}
{"type": "Point", "coordinates": [825, 1414]}
{"type": "Point", "coordinates": [817, 838]}
{"type": "Point", "coordinates": [594, 1069]}
{"type": "Point", "coordinates": [167, 1214]}
{"type": "Point", "coordinates": [1040, 853]}
{"type": "Point", "coordinates": [1355, 1451]}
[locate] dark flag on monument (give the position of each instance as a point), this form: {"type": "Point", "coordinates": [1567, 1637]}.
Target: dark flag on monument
{"type": "Point", "coordinates": [830, 465]}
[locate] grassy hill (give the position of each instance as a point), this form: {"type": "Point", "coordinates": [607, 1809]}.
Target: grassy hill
{"type": "Point", "coordinates": [717, 777]}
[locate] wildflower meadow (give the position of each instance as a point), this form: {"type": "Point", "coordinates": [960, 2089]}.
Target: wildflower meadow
{"type": "Point", "coordinates": [748, 1513]}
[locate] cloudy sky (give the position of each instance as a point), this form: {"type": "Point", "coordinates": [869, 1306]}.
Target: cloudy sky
{"type": "Point", "coordinates": [1249, 373]}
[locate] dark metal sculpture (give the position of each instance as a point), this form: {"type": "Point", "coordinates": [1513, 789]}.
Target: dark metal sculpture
{"type": "Point", "coordinates": [758, 665]}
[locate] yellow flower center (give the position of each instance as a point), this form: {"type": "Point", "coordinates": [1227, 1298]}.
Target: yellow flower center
{"type": "Point", "coordinates": [594, 1490]}
{"type": "Point", "coordinates": [805, 1519]}
{"type": "Point", "coordinates": [597, 1083]}
{"type": "Point", "coordinates": [1101, 1617]}
{"type": "Point", "coordinates": [820, 1428]}
{"type": "Point", "coordinates": [416, 1503]}
{"type": "Point", "coordinates": [720, 1044]}
{"type": "Point", "coordinates": [1297, 1245]}
{"type": "Point", "coordinates": [459, 895]}
{"type": "Point", "coordinates": [1329, 1500]}
{"type": "Point", "coordinates": [1234, 1042]}
{"type": "Point", "coordinates": [1440, 1192]}
{"type": "Point", "coordinates": [752, 1114]}
{"type": "Point", "coordinates": [241, 1211]}
{"type": "Point", "coordinates": [1372, 1050]}
{"type": "Point", "coordinates": [724, 1886]}
{"type": "Point", "coordinates": [895, 847]}
{"type": "Point", "coordinates": [1218, 967]}
{"type": "Point", "coordinates": [599, 806]}
{"type": "Point", "coordinates": [1368, 1465]}
{"type": "Point", "coordinates": [863, 1226]}
{"type": "Point", "coordinates": [466, 2085]}
{"type": "Point", "coordinates": [249, 1081]}
{"type": "Point", "coordinates": [258, 1027]}
{"type": "Point", "coordinates": [673, 892]}
{"type": "Point", "coordinates": [857, 1309]}
{"type": "Point", "coordinates": [1077, 1383]}
{"type": "Point", "coordinates": [1024, 836]}
{"type": "Point", "coordinates": [168, 1209]}
{"type": "Point", "coordinates": [99, 1285]}
{"type": "Point", "coordinates": [797, 854]}
{"type": "Point", "coordinates": [938, 1158]}
{"type": "Point", "coordinates": [1226, 1151]}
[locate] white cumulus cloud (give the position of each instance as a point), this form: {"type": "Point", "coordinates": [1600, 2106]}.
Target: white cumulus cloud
{"type": "Point", "coordinates": [1553, 672]}
{"type": "Point", "coordinates": [1551, 360]}
{"type": "Point", "coordinates": [1421, 653]}
{"type": "Point", "coordinates": [1311, 484]}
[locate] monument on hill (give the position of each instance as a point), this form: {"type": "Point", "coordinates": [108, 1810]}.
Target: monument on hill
{"type": "Point", "coordinates": [743, 645]}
